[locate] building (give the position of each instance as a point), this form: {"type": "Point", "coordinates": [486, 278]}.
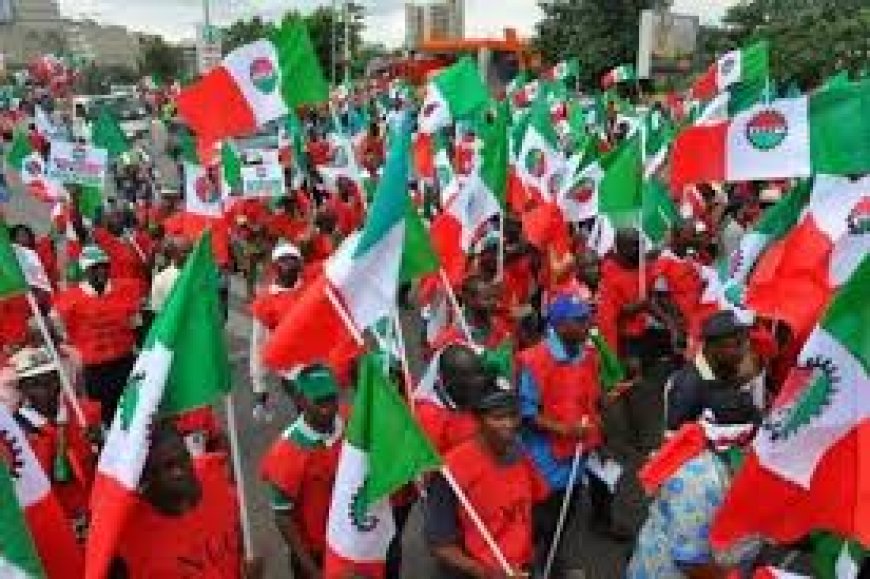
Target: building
{"type": "Point", "coordinates": [106, 45]}
{"type": "Point", "coordinates": [29, 28]}
{"type": "Point", "coordinates": [437, 20]}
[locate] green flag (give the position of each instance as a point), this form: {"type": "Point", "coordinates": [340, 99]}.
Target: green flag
{"type": "Point", "coordinates": [305, 85]}
{"type": "Point", "coordinates": [12, 281]}
{"type": "Point", "coordinates": [619, 195]}
{"type": "Point", "coordinates": [610, 371]}
{"type": "Point", "coordinates": [187, 148]}
{"type": "Point", "coordinates": [190, 326]}
{"type": "Point", "coordinates": [18, 556]}
{"type": "Point", "coordinates": [107, 134]}
{"type": "Point", "coordinates": [659, 214]}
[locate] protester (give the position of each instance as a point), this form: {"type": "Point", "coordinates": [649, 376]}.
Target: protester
{"type": "Point", "coordinates": [300, 469]}
{"type": "Point", "coordinates": [499, 482]}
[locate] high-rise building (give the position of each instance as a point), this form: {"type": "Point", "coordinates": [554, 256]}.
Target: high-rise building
{"type": "Point", "coordinates": [436, 20]}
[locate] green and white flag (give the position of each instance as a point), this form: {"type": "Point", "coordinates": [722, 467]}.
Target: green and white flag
{"type": "Point", "coordinates": [183, 365]}
{"type": "Point", "coordinates": [367, 268]}
{"type": "Point", "coordinates": [231, 167]}
{"type": "Point", "coordinates": [384, 449]}
{"type": "Point", "coordinates": [32, 170]}
{"type": "Point", "coordinates": [18, 556]}
{"type": "Point", "coordinates": [540, 164]}
{"type": "Point", "coordinates": [12, 281]}
{"type": "Point", "coordinates": [563, 71]}
{"type": "Point", "coordinates": [455, 93]}
{"type": "Point", "coordinates": [620, 74]}
{"type": "Point", "coordinates": [107, 134]}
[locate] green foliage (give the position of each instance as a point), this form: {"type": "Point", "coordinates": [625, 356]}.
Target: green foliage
{"type": "Point", "coordinates": [600, 33]}
{"type": "Point", "coordinates": [810, 39]}
{"type": "Point", "coordinates": [160, 59]}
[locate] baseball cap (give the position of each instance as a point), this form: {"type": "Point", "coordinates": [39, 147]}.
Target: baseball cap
{"type": "Point", "coordinates": [285, 249]}
{"type": "Point", "coordinates": [30, 362]}
{"type": "Point", "coordinates": [722, 325]}
{"type": "Point", "coordinates": [568, 307]}
{"type": "Point", "coordinates": [92, 255]}
{"type": "Point", "coordinates": [316, 383]}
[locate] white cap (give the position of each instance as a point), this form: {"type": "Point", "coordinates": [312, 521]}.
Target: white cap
{"type": "Point", "coordinates": [92, 255]}
{"type": "Point", "coordinates": [29, 362]}
{"type": "Point", "coordinates": [285, 249]}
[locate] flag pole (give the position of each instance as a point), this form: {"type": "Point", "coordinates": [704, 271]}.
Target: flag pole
{"type": "Point", "coordinates": [460, 315]}
{"type": "Point", "coordinates": [403, 357]}
{"type": "Point", "coordinates": [478, 522]}
{"type": "Point", "coordinates": [501, 247]}
{"type": "Point", "coordinates": [65, 382]}
{"type": "Point", "coordinates": [238, 474]}
{"type": "Point", "coordinates": [563, 512]}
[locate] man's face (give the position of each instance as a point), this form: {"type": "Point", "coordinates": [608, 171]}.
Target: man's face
{"type": "Point", "coordinates": [320, 414]}
{"type": "Point", "coordinates": [42, 393]}
{"type": "Point", "coordinates": [499, 428]}
{"type": "Point", "coordinates": [483, 298]}
{"type": "Point", "coordinates": [489, 259]}
{"type": "Point", "coordinates": [287, 270]}
{"type": "Point", "coordinates": [727, 353]}
{"type": "Point", "coordinates": [98, 275]}
{"type": "Point", "coordinates": [169, 478]}
{"type": "Point", "coordinates": [572, 333]}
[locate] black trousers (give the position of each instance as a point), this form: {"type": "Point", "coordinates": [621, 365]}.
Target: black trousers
{"type": "Point", "coordinates": [545, 519]}
{"type": "Point", "coordinates": [105, 383]}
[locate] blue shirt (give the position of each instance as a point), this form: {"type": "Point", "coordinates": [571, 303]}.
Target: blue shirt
{"type": "Point", "coordinates": [535, 442]}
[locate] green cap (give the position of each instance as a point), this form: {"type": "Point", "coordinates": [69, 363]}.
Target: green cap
{"type": "Point", "coordinates": [316, 383]}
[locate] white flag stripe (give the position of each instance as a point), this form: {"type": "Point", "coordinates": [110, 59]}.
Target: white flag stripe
{"type": "Point", "coordinates": [30, 481]}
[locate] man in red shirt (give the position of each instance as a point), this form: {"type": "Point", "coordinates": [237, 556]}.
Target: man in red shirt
{"type": "Point", "coordinates": [186, 523]}
{"type": "Point", "coordinates": [502, 486]}
{"type": "Point", "coordinates": [267, 309]}
{"type": "Point", "coordinates": [100, 317]}
{"type": "Point", "coordinates": [300, 469]}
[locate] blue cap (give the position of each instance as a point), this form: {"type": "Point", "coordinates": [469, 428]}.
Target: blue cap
{"type": "Point", "coordinates": [567, 307]}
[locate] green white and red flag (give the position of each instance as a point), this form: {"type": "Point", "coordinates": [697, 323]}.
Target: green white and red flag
{"type": "Point", "coordinates": [255, 84]}
{"type": "Point", "coordinates": [825, 132]}
{"type": "Point", "coordinates": [808, 459]}
{"type": "Point", "coordinates": [457, 92]}
{"type": "Point", "coordinates": [746, 65]}
{"type": "Point", "coordinates": [620, 74]}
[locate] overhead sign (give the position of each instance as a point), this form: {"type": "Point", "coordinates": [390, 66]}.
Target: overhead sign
{"type": "Point", "coordinates": [668, 43]}
{"type": "Point", "coordinates": [75, 163]}
{"type": "Point", "coordinates": [208, 48]}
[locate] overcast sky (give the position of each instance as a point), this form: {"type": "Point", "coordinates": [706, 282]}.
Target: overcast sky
{"type": "Point", "coordinates": [175, 19]}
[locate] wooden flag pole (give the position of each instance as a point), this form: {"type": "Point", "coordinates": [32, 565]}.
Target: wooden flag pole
{"type": "Point", "coordinates": [65, 382]}
{"type": "Point", "coordinates": [460, 315]}
{"type": "Point", "coordinates": [238, 473]}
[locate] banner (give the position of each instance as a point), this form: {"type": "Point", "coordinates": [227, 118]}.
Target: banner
{"type": "Point", "coordinates": [202, 193]}
{"type": "Point", "coordinates": [74, 163]}
{"type": "Point", "coordinates": [263, 181]}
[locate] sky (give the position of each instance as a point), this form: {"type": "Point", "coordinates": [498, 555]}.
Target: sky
{"type": "Point", "coordinates": [385, 20]}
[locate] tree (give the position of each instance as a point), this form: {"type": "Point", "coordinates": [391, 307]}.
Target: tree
{"type": "Point", "coordinates": [601, 34]}
{"type": "Point", "coordinates": [243, 32]}
{"type": "Point", "coordinates": [322, 24]}
{"type": "Point", "coordinates": [160, 60]}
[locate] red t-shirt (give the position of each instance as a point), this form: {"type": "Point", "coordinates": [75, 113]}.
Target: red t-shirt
{"type": "Point", "coordinates": [200, 544]}
{"type": "Point", "coordinates": [619, 287]}
{"type": "Point", "coordinates": [503, 495]}
{"type": "Point", "coordinates": [270, 306]}
{"type": "Point", "coordinates": [445, 428]}
{"type": "Point", "coordinates": [100, 326]}
{"type": "Point", "coordinates": [14, 315]}
{"type": "Point", "coordinates": [128, 259]}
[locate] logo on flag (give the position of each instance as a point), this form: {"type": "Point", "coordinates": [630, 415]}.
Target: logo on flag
{"type": "Point", "coordinates": [805, 394]}
{"type": "Point", "coordinates": [430, 108]}
{"type": "Point", "coordinates": [536, 163]}
{"type": "Point", "coordinates": [33, 167]}
{"type": "Point", "coordinates": [11, 453]}
{"type": "Point", "coordinates": [582, 191]}
{"type": "Point", "coordinates": [555, 184]}
{"type": "Point", "coordinates": [858, 221]}
{"type": "Point", "coordinates": [728, 64]}
{"type": "Point", "coordinates": [79, 153]}
{"type": "Point", "coordinates": [263, 74]}
{"type": "Point", "coordinates": [767, 130]}
{"type": "Point", "coordinates": [363, 521]}
{"type": "Point", "coordinates": [442, 174]}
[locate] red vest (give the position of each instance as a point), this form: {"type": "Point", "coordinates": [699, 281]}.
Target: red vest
{"type": "Point", "coordinates": [568, 391]}
{"type": "Point", "coordinates": [99, 326]}
{"type": "Point", "coordinates": [445, 428]}
{"type": "Point", "coordinates": [503, 496]}
{"type": "Point", "coordinates": [125, 261]}
{"type": "Point", "coordinates": [269, 308]}
{"type": "Point", "coordinates": [619, 286]}
{"type": "Point", "coordinates": [14, 315]}
{"type": "Point", "coordinates": [306, 476]}
{"type": "Point", "coordinates": [203, 543]}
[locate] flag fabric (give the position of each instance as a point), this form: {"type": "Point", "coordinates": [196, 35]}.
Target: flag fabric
{"type": "Point", "coordinates": [360, 281]}
{"type": "Point", "coordinates": [827, 132]}
{"type": "Point", "coordinates": [31, 267]}
{"type": "Point", "coordinates": [747, 65]}
{"type": "Point", "coordinates": [205, 189]}
{"type": "Point", "coordinates": [18, 556]}
{"type": "Point", "coordinates": [610, 370]}
{"type": "Point", "coordinates": [369, 470]}
{"type": "Point", "coordinates": [455, 93]}
{"type": "Point", "coordinates": [834, 558]}
{"type": "Point", "coordinates": [620, 74]}
{"type": "Point", "coordinates": [255, 84]}
{"type": "Point", "coordinates": [563, 71]}
{"type": "Point", "coordinates": [808, 458]}
{"type": "Point", "coordinates": [107, 134]}
{"type": "Point", "coordinates": [31, 168]}
{"type": "Point", "coordinates": [56, 546]}
{"type": "Point", "coordinates": [231, 167]}
{"type": "Point", "coordinates": [621, 187]}
{"type": "Point", "coordinates": [659, 214]}
{"type": "Point", "coordinates": [182, 365]}
{"type": "Point", "coordinates": [578, 197]}
{"type": "Point", "coordinates": [12, 280]}
{"type": "Point", "coordinates": [539, 163]}
{"type": "Point", "coordinates": [796, 276]}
